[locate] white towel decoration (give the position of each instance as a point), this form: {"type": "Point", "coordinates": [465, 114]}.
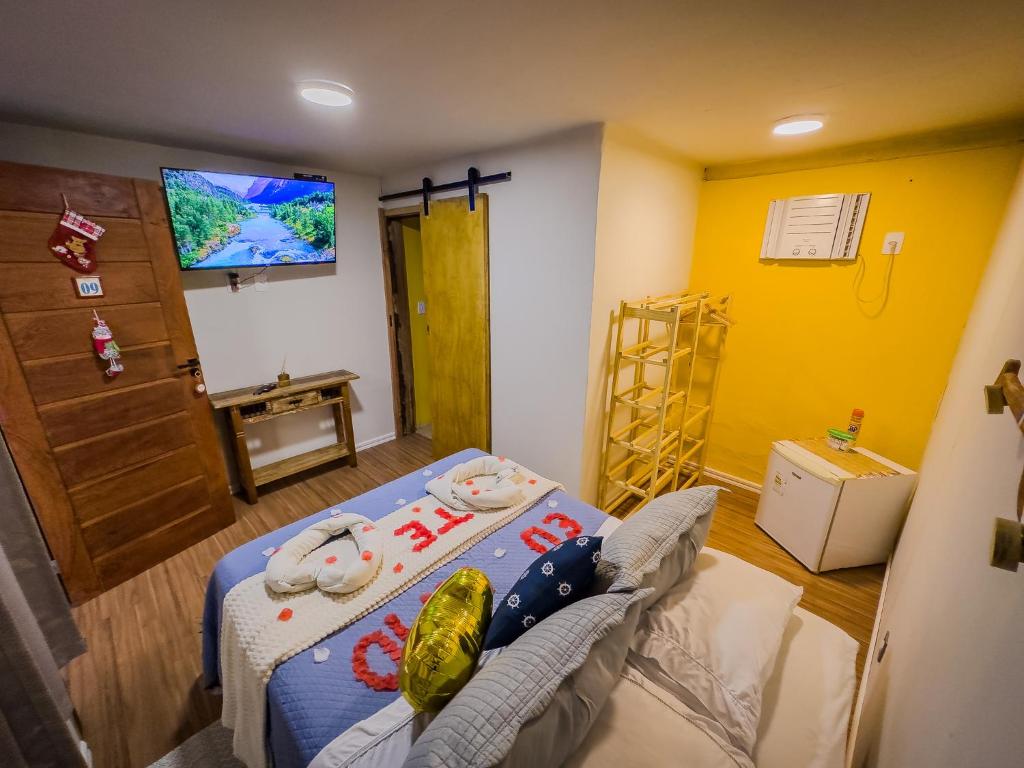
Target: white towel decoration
{"type": "Point", "coordinates": [485, 482]}
{"type": "Point", "coordinates": [295, 567]}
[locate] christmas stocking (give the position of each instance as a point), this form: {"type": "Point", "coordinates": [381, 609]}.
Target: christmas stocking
{"type": "Point", "coordinates": [73, 241]}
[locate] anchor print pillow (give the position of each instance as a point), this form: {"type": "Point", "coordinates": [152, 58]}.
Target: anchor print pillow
{"type": "Point", "coordinates": [557, 578]}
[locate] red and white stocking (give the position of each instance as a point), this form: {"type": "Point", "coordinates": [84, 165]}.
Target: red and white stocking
{"type": "Point", "coordinates": [73, 241]}
{"type": "Point", "coordinates": [105, 346]}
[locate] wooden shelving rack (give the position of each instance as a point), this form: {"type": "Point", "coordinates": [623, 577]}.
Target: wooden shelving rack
{"type": "Point", "coordinates": [663, 378]}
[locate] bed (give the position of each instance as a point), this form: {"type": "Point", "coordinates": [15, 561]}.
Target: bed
{"type": "Point", "coordinates": [311, 705]}
{"type": "Point", "coordinates": [308, 703]}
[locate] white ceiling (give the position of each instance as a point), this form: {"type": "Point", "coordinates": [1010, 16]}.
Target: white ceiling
{"type": "Point", "coordinates": [438, 78]}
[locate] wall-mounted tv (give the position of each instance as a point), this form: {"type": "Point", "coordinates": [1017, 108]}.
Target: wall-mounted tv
{"type": "Point", "coordinates": [229, 220]}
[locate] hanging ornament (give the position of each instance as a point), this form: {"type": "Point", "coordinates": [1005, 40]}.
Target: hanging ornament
{"type": "Point", "coordinates": [105, 346]}
{"type": "Point", "coordinates": [74, 239]}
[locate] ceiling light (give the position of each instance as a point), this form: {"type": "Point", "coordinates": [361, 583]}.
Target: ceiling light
{"type": "Point", "coordinates": [326, 92]}
{"type": "Point", "coordinates": [793, 126]}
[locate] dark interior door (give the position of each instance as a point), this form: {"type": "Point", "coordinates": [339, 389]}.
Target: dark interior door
{"type": "Point", "coordinates": [122, 472]}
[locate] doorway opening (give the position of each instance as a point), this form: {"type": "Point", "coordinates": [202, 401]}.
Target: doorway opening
{"type": "Point", "coordinates": [407, 320]}
{"type": "Point", "coordinates": [436, 284]}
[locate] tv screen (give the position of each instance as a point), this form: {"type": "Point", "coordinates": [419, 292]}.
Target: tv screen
{"type": "Point", "coordinates": [228, 220]}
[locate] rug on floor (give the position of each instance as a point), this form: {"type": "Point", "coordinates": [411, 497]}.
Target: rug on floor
{"type": "Point", "coordinates": [210, 748]}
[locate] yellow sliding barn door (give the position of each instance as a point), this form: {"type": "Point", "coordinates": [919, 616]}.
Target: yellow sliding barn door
{"type": "Point", "coordinates": [456, 284]}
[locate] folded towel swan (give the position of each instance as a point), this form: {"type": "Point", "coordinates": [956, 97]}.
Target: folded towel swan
{"type": "Point", "coordinates": [290, 569]}
{"type": "Point", "coordinates": [502, 491]}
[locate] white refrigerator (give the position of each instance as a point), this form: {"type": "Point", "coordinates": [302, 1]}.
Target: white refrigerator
{"type": "Point", "coordinates": [833, 514]}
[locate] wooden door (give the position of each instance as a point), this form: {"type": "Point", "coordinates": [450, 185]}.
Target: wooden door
{"type": "Point", "coordinates": [456, 283]}
{"type": "Point", "coordinates": [122, 472]}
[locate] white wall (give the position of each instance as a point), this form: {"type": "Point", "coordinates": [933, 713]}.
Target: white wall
{"type": "Point", "coordinates": [646, 214]}
{"type": "Point", "coordinates": [322, 317]}
{"type": "Point", "coordinates": [949, 689]}
{"type": "Point", "coordinates": [542, 238]}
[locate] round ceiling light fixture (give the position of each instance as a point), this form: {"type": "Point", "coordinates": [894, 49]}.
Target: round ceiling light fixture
{"type": "Point", "coordinates": [326, 93]}
{"type": "Point", "coordinates": [798, 124]}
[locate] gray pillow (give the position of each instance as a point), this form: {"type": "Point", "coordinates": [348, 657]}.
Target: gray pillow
{"type": "Point", "coordinates": [541, 694]}
{"type": "Point", "coordinates": [656, 546]}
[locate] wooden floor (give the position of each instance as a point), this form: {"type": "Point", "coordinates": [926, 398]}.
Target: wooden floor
{"type": "Point", "coordinates": [138, 690]}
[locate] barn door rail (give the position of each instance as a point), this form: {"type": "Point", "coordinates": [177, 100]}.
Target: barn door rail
{"type": "Point", "coordinates": [472, 183]}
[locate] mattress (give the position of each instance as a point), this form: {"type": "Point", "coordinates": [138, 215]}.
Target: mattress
{"type": "Point", "coordinates": [309, 704]}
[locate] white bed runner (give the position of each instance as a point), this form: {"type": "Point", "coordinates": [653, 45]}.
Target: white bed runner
{"type": "Point", "coordinates": [261, 629]}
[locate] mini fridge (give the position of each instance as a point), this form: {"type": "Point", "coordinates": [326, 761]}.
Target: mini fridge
{"type": "Point", "coordinates": [832, 509]}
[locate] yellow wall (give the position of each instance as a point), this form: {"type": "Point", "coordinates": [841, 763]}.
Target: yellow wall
{"type": "Point", "coordinates": [422, 389]}
{"type": "Point", "coordinates": [803, 352]}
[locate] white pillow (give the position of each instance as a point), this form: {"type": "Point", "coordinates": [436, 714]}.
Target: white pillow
{"type": "Point", "coordinates": [711, 640]}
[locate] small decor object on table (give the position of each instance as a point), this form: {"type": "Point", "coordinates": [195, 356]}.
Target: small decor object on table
{"type": "Point", "coordinates": [105, 346]}
{"type": "Point", "coordinates": [856, 422]}
{"type": "Point", "coordinates": [443, 646]}
{"type": "Point", "coordinates": [73, 240]}
{"type": "Point", "coordinates": [839, 440]}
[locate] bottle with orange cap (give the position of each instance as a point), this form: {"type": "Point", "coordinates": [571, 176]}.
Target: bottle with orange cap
{"type": "Point", "coordinates": [855, 422]}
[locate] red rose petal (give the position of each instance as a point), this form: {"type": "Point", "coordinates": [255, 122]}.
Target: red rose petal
{"type": "Point", "coordinates": [367, 528]}
{"type": "Point", "coordinates": [476, 493]}
{"type": "Point", "coordinates": [424, 597]}
{"type": "Point", "coordinates": [285, 614]}
{"type": "Point", "coordinates": [398, 568]}
{"type": "Point", "coordinates": [331, 560]}
{"type": "Point", "coordinates": [531, 481]}
{"type": "Point", "coordinates": [416, 509]}
{"type": "Point", "coordinates": [469, 482]}
{"type": "Point", "coordinates": [367, 555]}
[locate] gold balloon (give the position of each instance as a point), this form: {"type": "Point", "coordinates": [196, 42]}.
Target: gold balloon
{"type": "Point", "coordinates": [444, 643]}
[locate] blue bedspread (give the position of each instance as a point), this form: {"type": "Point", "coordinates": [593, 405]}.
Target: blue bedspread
{"type": "Point", "coordinates": [309, 704]}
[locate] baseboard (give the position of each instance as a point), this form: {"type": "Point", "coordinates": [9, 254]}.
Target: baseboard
{"type": "Point", "coordinates": [735, 483]}
{"type": "Point", "coordinates": [743, 488]}
{"type": "Point", "coordinates": [364, 444]}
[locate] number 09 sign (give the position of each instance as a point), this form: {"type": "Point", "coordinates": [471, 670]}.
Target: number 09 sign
{"type": "Point", "coordinates": [88, 287]}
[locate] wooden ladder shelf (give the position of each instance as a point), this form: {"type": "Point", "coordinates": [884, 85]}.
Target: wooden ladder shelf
{"type": "Point", "coordinates": [661, 396]}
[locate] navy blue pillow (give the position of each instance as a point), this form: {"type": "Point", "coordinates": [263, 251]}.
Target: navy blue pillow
{"type": "Point", "coordinates": [558, 577]}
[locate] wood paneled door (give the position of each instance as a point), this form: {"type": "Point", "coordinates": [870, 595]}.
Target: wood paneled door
{"type": "Point", "coordinates": [122, 472]}
{"type": "Point", "coordinates": [457, 285]}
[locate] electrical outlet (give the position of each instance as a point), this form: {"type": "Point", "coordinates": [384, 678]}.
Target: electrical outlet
{"type": "Point", "coordinates": [892, 243]}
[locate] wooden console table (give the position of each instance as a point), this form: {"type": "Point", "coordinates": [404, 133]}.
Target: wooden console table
{"type": "Point", "coordinates": [244, 407]}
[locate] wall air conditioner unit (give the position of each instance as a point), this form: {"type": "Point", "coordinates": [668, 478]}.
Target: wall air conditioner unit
{"type": "Point", "coordinates": [815, 227]}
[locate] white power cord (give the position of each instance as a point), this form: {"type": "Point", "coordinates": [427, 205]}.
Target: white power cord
{"type": "Point", "coordinates": [883, 294]}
